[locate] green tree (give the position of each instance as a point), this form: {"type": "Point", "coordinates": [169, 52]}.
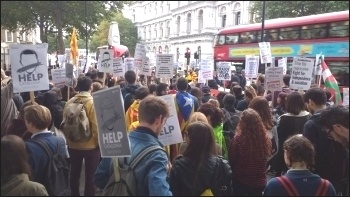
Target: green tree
{"type": "Point", "coordinates": [127, 31]}
{"type": "Point", "coordinates": [285, 9]}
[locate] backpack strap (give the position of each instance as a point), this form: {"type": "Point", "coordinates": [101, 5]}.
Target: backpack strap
{"type": "Point", "coordinates": [143, 154]}
{"type": "Point", "coordinates": [288, 186]}
{"type": "Point", "coordinates": [44, 146]}
{"type": "Point", "coordinates": [322, 188]}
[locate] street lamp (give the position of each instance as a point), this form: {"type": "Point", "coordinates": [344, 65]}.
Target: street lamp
{"type": "Point", "coordinates": [4, 46]}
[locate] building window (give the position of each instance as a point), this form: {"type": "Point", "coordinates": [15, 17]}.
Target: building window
{"type": "Point", "coordinates": [161, 7]}
{"type": "Point", "coordinates": [154, 50]}
{"type": "Point", "coordinates": [9, 36]}
{"type": "Point", "coordinates": [144, 33]}
{"type": "Point", "coordinates": [238, 18]}
{"type": "Point", "coordinates": [150, 7]}
{"type": "Point", "coordinates": [167, 29]}
{"type": "Point", "coordinates": [155, 7]}
{"type": "Point", "coordinates": [168, 7]}
{"type": "Point", "coordinates": [223, 16]}
{"type": "Point", "coordinates": [155, 31]}
{"type": "Point", "coordinates": [178, 25]}
{"type": "Point", "coordinates": [166, 50]}
{"type": "Point", "coordinates": [160, 50]}
{"type": "Point", "coordinates": [200, 21]}
{"type": "Point", "coordinates": [161, 31]}
{"type": "Point", "coordinates": [189, 19]}
{"type": "Point", "coordinates": [149, 32]}
{"type": "Point", "coordinates": [237, 15]}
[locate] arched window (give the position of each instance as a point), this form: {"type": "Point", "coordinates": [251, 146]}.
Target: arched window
{"type": "Point", "coordinates": [237, 13]}
{"type": "Point", "coordinates": [167, 29]}
{"type": "Point", "coordinates": [161, 31]}
{"type": "Point", "coordinates": [189, 19]}
{"type": "Point", "coordinates": [200, 21]}
{"type": "Point", "coordinates": [155, 31]}
{"type": "Point", "coordinates": [160, 50]}
{"type": "Point", "coordinates": [178, 25]}
{"type": "Point", "coordinates": [154, 50]}
{"type": "Point", "coordinates": [144, 33]}
{"type": "Point", "coordinates": [149, 32]}
{"type": "Point", "coordinates": [223, 16]}
{"type": "Point", "coordinates": [166, 49]}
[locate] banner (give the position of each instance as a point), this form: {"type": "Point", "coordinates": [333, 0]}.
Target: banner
{"type": "Point", "coordinates": [274, 78]}
{"type": "Point", "coordinates": [59, 77]}
{"type": "Point", "coordinates": [265, 52]}
{"type": "Point", "coordinates": [118, 67]}
{"type": "Point", "coordinates": [251, 66]}
{"type": "Point", "coordinates": [106, 57]}
{"type": "Point", "coordinates": [224, 70]}
{"type": "Point", "coordinates": [112, 135]}
{"type": "Point", "coordinates": [283, 63]}
{"type": "Point", "coordinates": [69, 74]}
{"type": "Point", "coordinates": [164, 66]}
{"type": "Point", "coordinates": [129, 64]}
{"type": "Point", "coordinates": [171, 134]}
{"type": "Point", "coordinates": [29, 67]}
{"type": "Point", "coordinates": [301, 75]}
{"type": "Point", "coordinates": [146, 69]}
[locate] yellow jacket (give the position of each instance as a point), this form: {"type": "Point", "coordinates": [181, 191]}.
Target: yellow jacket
{"type": "Point", "coordinates": [133, 126]}
{"type": "Point", "coordinates": [90, 113]}
{"type": "Point", "coordinates": [132, 114]}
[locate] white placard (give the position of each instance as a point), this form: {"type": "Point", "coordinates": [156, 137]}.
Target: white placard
{"type": "Point", "coordinates": [171, 134]}
{"type": "Point", "coordinates": [274, 78]}
{"type": "Point", "coordinates": [164, 66]}
{"type": "Point", "coordinates": [206, 67]}
{"type": "Point", "coordinates": [29, 67]}
{"type": "Point", "coordinates": [106, 57]}
{"type": "Point", "coordinates": [200, 77]}
{"type": "Point", "coordinates": [318, 64]}
{"type": "Point", "coordinates": [59, 77]}
{"type": "Point", "coordinates": [251, 66]}
{"type": "Point", "coordinates": [146, 69]}
{"type": "Point", "coordinates": [346, 96]}
{"type": "Point", "coordinates": [301, 73]}
{"type": "Point", "coordinates": [224, 70]}
{"type": "Point", "coordinates": [118, 67]}
{"type": "Point", "coordinates": [140, 54]}
{"type": "Point", "coordinates": [67, 55]}
{"type": "Point", "coordinates": [265, 52]}
{"type": "Point", "coordinates": [283, 63]}
{"type": "Point", "coordinates": [129, 64]}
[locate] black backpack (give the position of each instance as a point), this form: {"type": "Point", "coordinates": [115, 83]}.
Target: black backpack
{"type": "Point", "coordinates": [57, 172]}
{"type": "Point", "coordinates": [230, 122]}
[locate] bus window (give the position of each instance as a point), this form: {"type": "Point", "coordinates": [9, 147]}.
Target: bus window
{"type": "Point", "coordinates": [290, 33]}
{"type": "Point", "coordinates": [313, 31]}
{"type": "Point", "coordinates": [220, 40]}
{"type": "Point", "coordinates": [232, 39]}
{"type": "Point", "coordinates": [271, 35]}
{"type": "Point", "coordinates": [248, 37]}
{"type": "Point", "coordinates": [339, 29]}
{"type": "Point", "coordinates": [340, 71]}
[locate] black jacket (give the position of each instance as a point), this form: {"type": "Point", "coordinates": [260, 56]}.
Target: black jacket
{"type": "Point", "coordinates": [128, 93]}
{"type": "Point", "coordinates": [215, 173]}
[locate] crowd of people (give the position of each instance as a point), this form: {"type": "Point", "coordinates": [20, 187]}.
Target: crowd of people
{"type": "Point", "coordinates": [248, 141]}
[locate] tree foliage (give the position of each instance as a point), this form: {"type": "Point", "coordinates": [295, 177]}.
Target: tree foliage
{"type": "Point", "coordinates": [127, 30]}
{"type": "Point", "coordinates": [285, 9]}
{"type": "Point", "coordinates": [57, 15]}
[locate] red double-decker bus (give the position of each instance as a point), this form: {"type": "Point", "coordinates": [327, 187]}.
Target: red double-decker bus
{"type": "Point", "coordinates": [291, 37]}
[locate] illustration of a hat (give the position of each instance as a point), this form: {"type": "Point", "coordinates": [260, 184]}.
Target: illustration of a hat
{"type": "Point", "coordinates": [25, 68]}
{"type": "Point", "coordinates": [107, 59]}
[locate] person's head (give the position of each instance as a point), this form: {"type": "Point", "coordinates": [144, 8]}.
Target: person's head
{"type": "Point", "coordinates": [260, 80]}
{"type": "Point", "coordinates": [286, 79]}
{"type": "Point", "coordinates": [153, 89]}
{"type": "Point", "coordinates": [182, 84]}
{"type": "Point", "coordinates": [100, 75]}
{"type": "Point", "coordinates": [130, 76]}
{"type": "Point", "coordinates": [25, 104]}
{"type": "Point", "coordinates": [141, 93]}
{"type": "Point", "coordinates": [153, 113]}
{"type": "Point", "coordinates": [229, 102]}
{"type": "Point", "coordinates": [96, 86]}
{"type": "Point", "coordinates": [261, 105]}
{"type": "Point", "coordinates": [58, 92]}
{"type": "Point", "coordinates": [248, 96]}
{"type": "Point", "coordinates": [233, 84]}
{"type": "Point", "coordinates": [93, 74]}
{"type": "Point", "coordinates": [220, 98]}
{"type": "Point", "coordinates": [243, 71]}
{"type": "Point", "coordinates": [196, 92]}
{"type": "Point", "coordinates": [37, 118]}
{"type": "Point", "coordinates": [206, 89]}
{"type": "Point", "coordinates": [281, 99]}
{"type": "Point", "coordinates": [197, 116]}
{"type": "Point", "coordinates": [213, 114]}
{"type": "Point", "coordinates": [14, 156]}
{"type": "Point", "coordinates": [259, 89]}
{"type": "Point", "coordinates": [162, 89]}
{"type": "Point", "coordinates": [237, 90]}
{"type": "Point", "coordinates": [84, 84]}
{"type": "Point", "coordinates": [298, 150]}
{"type": "Point", "coordinates": [294, 103]}
{"type": "Point", "coordinates": [201, 141]}
{"type": "Point", "coordinates": [252, 132]}
{"type": "Point", "coordinates": [214, 102]}
{"type": "Point", "coordinates": [315, 99]}
{"type": "Point", "coordinates": [49, 99]}
{"type": "Point", "coordinates": [335, 120]}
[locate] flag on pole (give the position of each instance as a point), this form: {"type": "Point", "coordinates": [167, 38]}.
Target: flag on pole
{"type": "Point", "coordinates": [74, 47]}
{"type": "Point", "coordinates": [331, 83]}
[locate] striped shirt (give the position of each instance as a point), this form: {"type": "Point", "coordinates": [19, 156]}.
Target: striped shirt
{"type": "Point", "coordinates": [8, 107]}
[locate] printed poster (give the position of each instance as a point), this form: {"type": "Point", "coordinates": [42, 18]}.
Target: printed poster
{"type": "Point", "coordinates": [318, 64]}
{"type": "Point", "coordinates": [129, 64]}
{"type": "Point", "coordinates": [118, 67]}
{"type": "Point", "coordinates": [171, 134]}
{"type": "Point", "coordinates": [140, 54]}
{"type": "Point", "coordinates": [224, 70]}
{"type": "Point", "coordinates": [106, 57]}
{"type": "Point", "coordinates": [274, 78]}
{"type": "Point", "coordinates": [206, 68]}
{"type": "Point", "coordinates": [145, 69]}
{"type": "Point", "coordinates": [164, 66]}
{"type": "Point", "coordinates": [251, 66]}
{"type": "Point", "coordinates": [59, 77]}
{"type": "Point", "coordinates": [283, 63]}
{"type": "Point", "coordinates": [301, 75]}
{"type": "Point", "coordinates": [265, 52]}
{"type": "Point", "coordinates": [29, 67]}
{"type": "Point", "coordinates": [112, 135]}
{"type": "Point", "coordinates": [200, 77]}
{"type": "Point", "coordinates": [346, 96]}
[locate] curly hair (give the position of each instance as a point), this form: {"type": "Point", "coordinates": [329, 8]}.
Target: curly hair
{"type": "Point", "coordinates": [261, 105]}
{"type": "Point", "coordinates": [299, 149]}
{"type": "Point", "coordinates": [253, 134]}
{"type": "Point", "coordinates": [216, 115]}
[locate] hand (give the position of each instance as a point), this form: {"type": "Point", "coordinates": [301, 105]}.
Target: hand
{"type": "Point", "coordinates": [168, 167]}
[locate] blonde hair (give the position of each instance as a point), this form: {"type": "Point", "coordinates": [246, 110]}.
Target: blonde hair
{"type": "Point", "coordinates": [197, 116]}
{"type": "Point", "coordinates": [96, 86]}
{"type": "Point", "coordinates": [38, 115]}
{"type": "Point", "coordinates": [214, 102]}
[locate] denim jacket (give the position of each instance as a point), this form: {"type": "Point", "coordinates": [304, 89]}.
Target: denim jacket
{"type": "Point", "coordinates": [151, 173]}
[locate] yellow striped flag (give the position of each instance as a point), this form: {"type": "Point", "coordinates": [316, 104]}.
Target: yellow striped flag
{"type": "Point", "coordinates": [74, 47]}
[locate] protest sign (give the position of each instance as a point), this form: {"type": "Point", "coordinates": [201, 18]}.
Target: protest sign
{"type": "Point", "coordinates": [60, 60]}
{"type": "Point", "coordinates": [206, 69]}
{"type": "Point", "coordinates": [118, 67]}
{"type": "Point", "coordinates": [265, 52]}
{"type": "Point", "coordinates": [164, 66]}
{"type": "Point", "coordinates": [301, 73]}
{"type": "Point", "coordinates": [145, 69]}
{"type": "Point", "coordinates": [283, 63]}
{"type": "Point", "coordinates": [200, 77]}
{"type": "Point", "coordinates": [59, 77]}
{"type": "Point", "coordinates": [129, 64]}
{"type": "Point", "coordinates": [251, 66]}
{"type": "Point", "coordinates": [318, 64]}
{"type": "Point", "coordinates": [29, 67]}
{"type": "Point", "coordinates": [274, 78]}
{"type": "Point", "coordinates": [140, 54]}
{"type": "Point", "coordinates": [224, 70]}
{"type": "Point", "coordinates": [112, 135]}
{"type": "Point", "coordinates": [346, 96]}
{"type": "Point", "coordinates": [69, 74]}
{"type": "Point", "coordinates": [106, 58]}
{"type": "Point", "coordinates": [171, 134]}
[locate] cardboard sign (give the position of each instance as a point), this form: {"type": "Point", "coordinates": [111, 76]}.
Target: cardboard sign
{"type": "Point", "coordinates": [301, 73]}
{"type": "Point", "coordinates": [164, 66]}
{"type": "Point", "coordinates": [274, 78]}
{"type": "Point", "coordinates": [118, 67]}
{"type": "Point", "coordinates": [224, 70]}
{"type": "Point", "coordinates": [146, 69]}
{"type": "Point", "coordinates": [29, 67]}
{"type": "Point", "coordinates": [129, 64]}
{"type": "Point", "coordinates": [112, 135]}
{"type": "Point", "coordinates": [69, 74]}
{"type": "Point", "coordinates": [59, 77]}
{"type": "Point", "coordinates": [140, 54]}
{"type": "Point", "coordinates": [206, 67]}
{"type": "Point", "coordinates": [106, 58]}
{"type": "Point", "coordinates": [283, 63]}
{"type": "Point", "coordinates": [251, 66]}
{"type": "Point", "coordinates": [265, 52]}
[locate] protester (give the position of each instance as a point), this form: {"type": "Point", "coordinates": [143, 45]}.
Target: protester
{"type": "Point", "coordinates": [196, 92]}
{"type": "Point", "coordinates": [16, 176]}
{"type": "Point", "coordinates": [50, 101]}
{"type": "Point", "coordinates": [132, 115]}
{"type": "Point", "coordinates": [220, 97]}
{"type": "Point", "coordinates": [162, 89]}
{"type": "Point", "coordinates": [59, 96]}
{"type": "Point", "coordinates": [231, 118]}
{"type": "Point", "coordinates": [128, 91]}
{"type": "Point", "coordinates": [248, 154]}
{"type": "Point", "coordinates": [206, 94]}
{"type": "Point", "coordinates": [299, 156]}
{"type": "Point", "coordinates": [72, 91]}
{"type": "Point", "coordinates": [281, 105]}
{"type": "Point", "coordinates": [153, 89]}
{"type": "Point", "coordinates": [96, 86]}
{"type": "Point", "coordinates": [151, 172]}
{"type": "Point", "coordinates": [199, 168]}
{"type": "Point", "coordinates": [249, 94]}
{"type": "Point", "coordinates": [237, 91]}
{"type": "Point", "coordinates": [8, 107]}
{"type": "Point", "coordinates": [214, 102]}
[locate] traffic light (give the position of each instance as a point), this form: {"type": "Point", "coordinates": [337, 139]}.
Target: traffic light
{"type": "Point", "coordinates": [196, 56]}
{"type": "Point", "coordinates": [187, 55]}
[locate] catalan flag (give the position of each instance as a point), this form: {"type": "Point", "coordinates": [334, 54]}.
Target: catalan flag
{"type": "Point", "coordinates": [331, 83]}
{"type": "Point", "coordinates": [132, 114]}
{"type": "Point", "coordinates": [74, 47]}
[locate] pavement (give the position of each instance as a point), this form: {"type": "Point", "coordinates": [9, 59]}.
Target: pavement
{"type": "Point", "coordinates": [82, 182]}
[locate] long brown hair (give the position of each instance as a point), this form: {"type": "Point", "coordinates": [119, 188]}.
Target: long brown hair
{"type": "Point", "coordinates": [14, 156]}
{"type": "Point", "coordinates": [253, 134]}
{"type": "Point", "coordinates": [261, 105]}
